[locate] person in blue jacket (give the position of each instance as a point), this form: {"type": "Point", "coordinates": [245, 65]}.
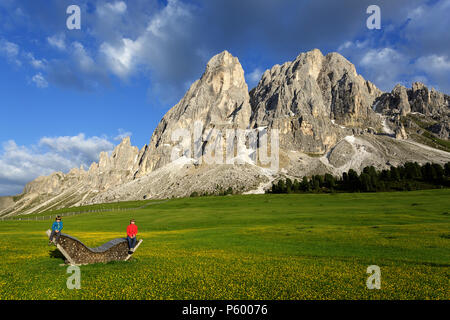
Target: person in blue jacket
{"type": "Point", "coordinates": [56, 230]}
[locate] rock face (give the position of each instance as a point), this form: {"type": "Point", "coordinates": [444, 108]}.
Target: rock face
{"type": "Point", "coordinates": [78, 185]}
{"type": "Point", "coordinates": [109, 171]}
{"type": "Point", "coordinates": [115, 169]}
{"type": "Point", "coordinates": [328, 117]}
{"type": "Point", "coordinates": [6, 202]}
{"type": "Point", "coordinates": [417, 99]}
{"type": "Point", "coordinates": [428, 102]}
{"type": "Point", "coordinates": [311, 99]}
{"type": "Point", "coordinates": [219, 100]}
{"type": "Point", "coordinates": [433, 106]}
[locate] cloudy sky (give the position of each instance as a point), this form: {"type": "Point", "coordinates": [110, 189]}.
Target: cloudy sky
{"type": "Point", "coordinates": [66, 94]}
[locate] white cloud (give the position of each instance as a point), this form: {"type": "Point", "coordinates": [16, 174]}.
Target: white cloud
{"type": "Point", "coordinates": [123, 134]}
{"type": "Point", "coordinates": [39, 81]}
{"type": "Point", "coordinates": [20, 164]}
{"type": "Point", "coordinates": [166, 19]}
{"type": "Point", "coordinates": [118, 7]}
{"type": "Point", "coordinates": [83, 59]}
{"type": "Point", "coordinates": [344, 46]}
{"type": "Point", "coordinates": [157, 47]}
{"type": "Point", "coordinates": [380, 57]}
{"type": "Point", "coordinates": [434, 63]}
{"type": "Point", "coordinates": [416, 13]}
{"type": "Point", "coordinates": [57, 41]}
{"type": "Point", "coordinates": [77, 147]}
{"type": "Point", "coordinates": [427, 28]}
{"type": "Point", "coordinates": [122, 58]}
{"type": "Point", "coordinates": [79, 70]}
{"type": "Point", "coordinates": [36, 63]}
{"type": "Point", "coordinates": [254, 76]}
{"type": "Point", "coordinates": [11, 51]}
{"type": "Point", "coordinates": [437, 69]}
{"type": "Point", "coordinates": [15, 55]}
{"type": "Point", "coordinates": [385, 66]}
{"type": "Point", "coordinates": [349, 45]}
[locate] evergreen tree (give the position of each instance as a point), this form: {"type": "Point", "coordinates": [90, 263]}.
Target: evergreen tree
{"type": "Point", "coordinates": [275, 188]}
{"type": "Point", "coordinates": [366, 184]}
{"type": "Point", "coordinates": [353, 180]}
{"type": "Point", "coordinates": [410, 176]}
{"type": "Point", "coordinates": [428, 172]}
{"type": "Point", "coordinates": [439, 171]}
{"type": "Point", "coordinates": [296, 186]}
{"type": "Point", "coordinates": [447, 169]}
{"type": "Point", "coordinates": [288, 185]}
{"type": "Point", "coordinates": [385, 175]}
{"type": "Point", "coordinates": [329, 182]}
{"type": "Point", "coordinates": [395, 174]}
{"type": "Point", "coordinates": [281, 186]}
{"type": "Point", "coordinates": [305, 186]}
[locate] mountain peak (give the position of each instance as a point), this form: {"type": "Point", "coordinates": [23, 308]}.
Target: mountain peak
{"type": "Point", "coordinates": [316, 53]}
{"type": "Point", "coordinates": [418, 86]}
{"type": "Point", "coordinates": [222, 59]}
{"type": "Point", "coordinates": [126, 141]}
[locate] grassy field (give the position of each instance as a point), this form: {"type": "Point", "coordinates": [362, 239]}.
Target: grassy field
{"type": "Point", "coordinates": [310, 246]}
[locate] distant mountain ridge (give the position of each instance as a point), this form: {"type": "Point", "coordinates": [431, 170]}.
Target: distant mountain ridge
{"type": "Point", "coordinates": [329, 119]}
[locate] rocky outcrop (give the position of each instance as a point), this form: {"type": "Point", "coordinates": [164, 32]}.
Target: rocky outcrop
{"type": "Point", "coordinates": [441, 129]}
{"type": "Point", "coordinates": [396, 102]}
{"type": "Point", "coordinates": [428, 102]}
{"type": "Point", "coordinates": [73, 188]}
{"type": "Point", "coordinates": [433, 107]}
{"type": "Point", "coordinates": [110, 171]}
{"type": "Point", "coordinates": [312, 100]}
{"type": "Point", "coordinates": [6, 202]}
{"type": "Point", "coordinates": [218, 100]}
{"type": "Point", "coordinates": [417, 99]}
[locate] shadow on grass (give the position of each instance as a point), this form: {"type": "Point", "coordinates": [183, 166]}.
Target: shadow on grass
{"type": "Point", "coordinates": [56, 254]}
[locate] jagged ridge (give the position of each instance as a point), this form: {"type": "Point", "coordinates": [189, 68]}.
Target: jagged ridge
{"type": "Point", "coordinates": [330, 119]}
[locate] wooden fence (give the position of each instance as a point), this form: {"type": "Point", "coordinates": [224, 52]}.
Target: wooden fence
{"type": "Point", "coordinates": [72, 213]}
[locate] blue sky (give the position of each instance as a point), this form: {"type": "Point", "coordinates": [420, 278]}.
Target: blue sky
{"type": "Point", "coordinates": [66, 94]}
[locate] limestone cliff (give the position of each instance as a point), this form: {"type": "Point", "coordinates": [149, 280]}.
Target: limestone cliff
{"type": "Point", "coordinates": [312, 100]}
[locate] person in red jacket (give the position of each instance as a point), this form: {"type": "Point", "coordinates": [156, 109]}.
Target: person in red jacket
{"type": "Point", "coordinates": [132, 231]}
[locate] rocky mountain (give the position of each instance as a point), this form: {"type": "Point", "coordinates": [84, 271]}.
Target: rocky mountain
{"type": "Point", "coordinates": [60, 189]}
{"type": "Point", "coordinates": [311, 99]}
{"type": "Point", "coordinates": [219, 99]}
{"type": "Point", "coordinates": [421, 109]}
{"type": "Point", "coordinates": [328, 119]}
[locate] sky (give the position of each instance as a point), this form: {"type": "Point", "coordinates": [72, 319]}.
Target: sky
{"type": "Point", "coordinates": [66, 95]}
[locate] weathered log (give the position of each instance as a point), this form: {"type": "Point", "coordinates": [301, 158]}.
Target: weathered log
{"type": "Point", "coordinates": [77, 253]}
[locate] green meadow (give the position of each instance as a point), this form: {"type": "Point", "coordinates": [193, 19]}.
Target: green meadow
{"type": "Point", "coordinates": [280, 246]}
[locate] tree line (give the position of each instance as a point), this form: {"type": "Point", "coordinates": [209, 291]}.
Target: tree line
{"type": "Point", "coordinates": [407, 177]}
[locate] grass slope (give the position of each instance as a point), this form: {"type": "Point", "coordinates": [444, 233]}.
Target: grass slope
{"type": "Point", "coordinates": [299, 246]}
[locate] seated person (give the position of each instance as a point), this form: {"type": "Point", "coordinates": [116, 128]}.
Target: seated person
{"type": "Point", "coordinates": [56, 230]}
{"type": "Point", "coordinates": [132, 231]}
